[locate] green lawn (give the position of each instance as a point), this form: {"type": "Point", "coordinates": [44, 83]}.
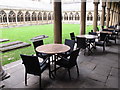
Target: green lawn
{"type": "Point", "coordinates": [26, 33]}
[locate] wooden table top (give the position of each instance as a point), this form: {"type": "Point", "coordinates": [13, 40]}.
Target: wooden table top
{"type": "Point", "coordinates": [110, 29]}
{"type": "Point", "coordinates": [52, 48]}
{"type": "Point", "coordinates": [88, 36]}
{"type": "Point", "coordinates": [108, 32]}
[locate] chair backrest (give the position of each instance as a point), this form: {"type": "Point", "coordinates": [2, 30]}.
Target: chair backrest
{"type": "Point", "coordinates": [37, 43]}
{"type": "Point", "coordinates": [92, 33]}
{"type": "Point", "coordinates": [70, 43]}
{"type": "Point", "coordinates": [72, 35]}
{"type": "Point", "coordinates": [81, 43]}
{"type": "Point", "coordinates": [103, 36]}
{"type": "Point", "coordinates": [31, 64]}
{"type": "Point", "coordinates": [73, 57]}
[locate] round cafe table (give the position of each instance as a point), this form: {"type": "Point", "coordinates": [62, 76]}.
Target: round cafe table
{"type": "Point", "coordinates": [52, 49]}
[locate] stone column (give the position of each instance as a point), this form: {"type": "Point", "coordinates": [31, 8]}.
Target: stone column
{"type": "Point", "coordinates": [108, 14]}
{"type": "Point", "coordinates": [111, 16]}
{"type": "Point", "coordinates": [114, 11]}
{"type": "Point", "coordinates": [83, 18]}
{"type": "Point", "coordinates": [103, 14]}
{"type": "Point", "coordinates": [95, 16]}
{"type": "Point", "coordinates": [57, 22]}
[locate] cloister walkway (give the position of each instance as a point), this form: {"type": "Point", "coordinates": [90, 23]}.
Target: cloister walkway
{"type": "Point", "coordinates": [99, 70]}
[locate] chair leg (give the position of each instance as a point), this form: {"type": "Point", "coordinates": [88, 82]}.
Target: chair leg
{"type": "Point", "coordinates": [40, 81]}
{"type": "Point", "coordinates": [25, 78]}
{"type": "Point", "coordinates": [77, 70]}
{"type": "Point", "coordinates": [69, 74]}
{"type": "Point", "coordinates": [103, 48]}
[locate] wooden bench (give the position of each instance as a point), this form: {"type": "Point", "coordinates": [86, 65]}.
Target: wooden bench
{"type": "Point", "coordinates": [10, 44]}
{"type": "Point", "coordinates": [4, 40]}
{"type": "Point", "coordinates": [12, 47]}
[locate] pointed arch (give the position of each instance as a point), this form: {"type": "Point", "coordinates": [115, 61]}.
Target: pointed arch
{"type": "Point", "coordinates": [44, 16]}
{"type": "Point", "coordinates": [49, 16]}
{"type": "Point", "coordinates": [19, 16]}
{"type": "Point", "coordinates": [39, 16]}
{"type": "Point", "coordinates": [77, 17]}
{"type": "Point", "coordinates": [65, 16]}
{"type": "Point", "coordinates": [3, 17]}
{"type": "Point", "coordinates": [27, 16]}
{"type": "Point", "coordinates": [34, 16]}
{"type": "Point", "coordinates": [12, 16]}
{"type": "Point", "coordinates": [71, 16]}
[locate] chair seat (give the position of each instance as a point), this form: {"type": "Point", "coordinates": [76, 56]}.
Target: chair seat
{"type": "Point", "coordinates": [100, 43]}
{"type": "Point", "coordinates": [43, 55]}
{"type": "Point", "coordinates": [63, 63]}
{"type": "Point", "coordinates": [43, 66]}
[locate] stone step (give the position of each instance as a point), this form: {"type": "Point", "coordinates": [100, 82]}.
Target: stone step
{"type": "Point", "coordinates": [37, 38]}
{"type": "Point", "coordinates": [4, 40]}
{"type": "Point", "coordinates": [16, 46]}
{"type": "Point", "coordinates": [10, 44]}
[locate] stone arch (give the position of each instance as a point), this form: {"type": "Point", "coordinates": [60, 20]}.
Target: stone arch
{"type": "Point", "coordinates": [77, 17]}
{"type": "Point", "coordinates": [19, 16]}
{"type": "Point", "coordinates": [71, 16]}
{"type": "Point", "coordinates": [49, 16]}
{"type": "Point", "coordinates": [44, 16]}
{"type": "Point", "coordinates": [65, 16]}
{"type": "Point", "coordinates": [89, 16]}
{"type": "Point", "coordinates": [12, 16]}
{"type": "Point", "coordinates": [39, 16]}
{"type": "Point", "coordinates": [3, 16]}
{"type": "Point", "coordinates": [34, 16]}
{"type": "Point", "coordinates": [27, 16]}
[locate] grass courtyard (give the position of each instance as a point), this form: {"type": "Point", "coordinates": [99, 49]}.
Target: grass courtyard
{"type": "Point", "coordinates": [25, 33]}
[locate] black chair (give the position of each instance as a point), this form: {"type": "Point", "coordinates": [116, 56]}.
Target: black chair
{"type": "Point", "coordinates": [33, 66]}
{"type": "Point", "coordinates": [71, 44]}
{"type": "Point", "coordinates": [82, 44]}
{"type": "Point", "coordinates": [36, 44]}
{"type": "Point", "coordinates": [72, 36]}
{"type": "Point", "coordinates": [102, 40]}
{"type": "Point", "coordinates": [69, 62]}
{"type": "Point", "coordinates": [113, 36]}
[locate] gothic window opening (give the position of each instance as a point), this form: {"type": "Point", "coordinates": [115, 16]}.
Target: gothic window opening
{"type": "Point", "coordinates": [12, 16]}
{"type": "Point", "coordinates": [71, 16]}
{"type": "Point", "coordinates": [3, 17]}
{"type": "Point", "coordinates": [49, 16]}
{"type": "Point", "coordinates": [77, 16]}
{"type": "Point", "coordinates": [34, 16]}
{"type": "Point", "coordinates": [44, 16]}
{"type": "Point", "coordinates": [27, 16]}
{"type": "Point", "coordinates": [20, 16]}
{"type": "Point", "coordinates": [39, 16]}
{"type": "Point", "coordinates": [65, 16]}
{"type": "Point", "coordinates": [98, 17]}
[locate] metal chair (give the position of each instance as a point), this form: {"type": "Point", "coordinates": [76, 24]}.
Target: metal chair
{"type": "Point", "coordinates": [33, 66]}
{"type": "Point", "coordinates": [72, 36]}
{"type": "Point", "coordinates": [82, 44]}
{"type": "Point", "coordinates": [69, 62]}
{"type": "Point", "coordinates": [36, 44]}
{"type": "Point", "coordinates": [102, 40]}
{"type": "Point", "coordinates": [71, 44]}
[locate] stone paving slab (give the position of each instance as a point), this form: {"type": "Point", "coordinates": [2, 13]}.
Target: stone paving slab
{"type": "Point", "coordinates": [9, 44]}
{"type": "Point", "coordinates": [3, 40]}
{"type": "Point", "coordinates": [20, 45]}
